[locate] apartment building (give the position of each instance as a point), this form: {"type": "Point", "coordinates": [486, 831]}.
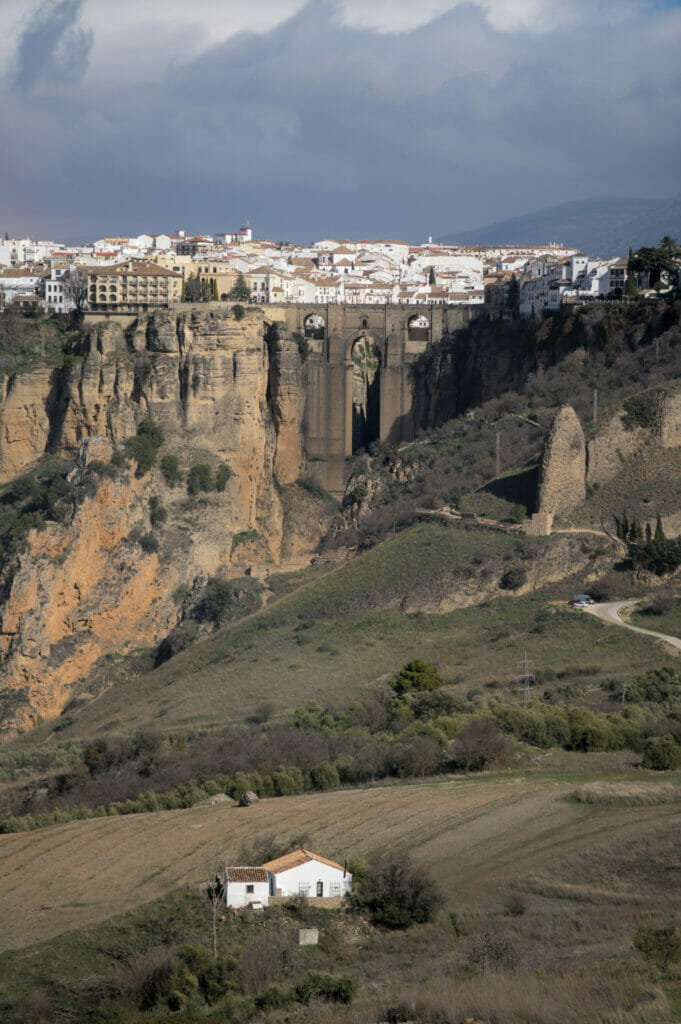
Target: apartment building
{"type": "Point", "coordinates": [132, 287]}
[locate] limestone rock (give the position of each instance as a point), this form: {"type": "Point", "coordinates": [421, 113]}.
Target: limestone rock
{"type": "Point", "coordinates": [24, 420]}
{"type": "Point", "coordinates": [220, 395]}
{"type": "Point", "coordinates": [563, 466]}
{"type": "Point", "coordinates": [610, 446]}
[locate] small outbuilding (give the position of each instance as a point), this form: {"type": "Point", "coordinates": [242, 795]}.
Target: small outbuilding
{"type": "Point", "coordinates": [302, 873]}
{"type": "Point", "coordinates": [246, 887]}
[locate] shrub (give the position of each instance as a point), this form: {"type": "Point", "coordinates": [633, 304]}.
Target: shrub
{"type": "Point", "coordinates": [148, 543]}
{"type": "Point", "coordinates": [513, 579]}
{"type": "Point", "coordinates": [396, 892]}
{"type": "Point", "coordinates": [239, 312]}
{"type": "Point", "coordinates": [359, 492]}
{"type": "Point", "coordinates": [170, 467]}
{"type": "Point", "coordinates": [417, 675]}
{"type": "Point", "coordinates": [658, 556]}
{"type": "Point", "coordinates": [244, 537]}
{"type": "Point", "coordinates": [480, 744]}
{"type": "Point", "coordinates": [144, 446]}
{"type": "Point", "coordinates": [324, 776]}
{"type": "Point", "coordinates": [223, 474]}
{"type": "Point", "coordinates": [641, 410]}
{"type": "Point", "coordinates": [661, 754]}
{"type": "Point", "coordinates": [217, 597]}
{"type": "Point", "coordinates": [158, 513]}
{"type": "Point", "coordinates": [661, 945]}
{"type": "Point", "coordinates": [303, 346]}
{"type": "Point", "coordinates": [200, 478]}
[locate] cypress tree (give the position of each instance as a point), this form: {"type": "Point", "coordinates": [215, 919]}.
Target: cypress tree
{"type": "Point", "coordinates": [625, 525]}
{"type": "Point", "coordinates": [649, 533]}
{"type": "Point", "coordinates": [659, 529]}
{"type": "Point", "coordinates": [635, 531]}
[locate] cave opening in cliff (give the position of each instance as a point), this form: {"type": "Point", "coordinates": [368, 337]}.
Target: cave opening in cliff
{"type": "Point", "coordinates": [366, 392]}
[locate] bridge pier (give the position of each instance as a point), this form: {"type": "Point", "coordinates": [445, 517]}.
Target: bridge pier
{"type": "Point", "coordinates": [328, 418]}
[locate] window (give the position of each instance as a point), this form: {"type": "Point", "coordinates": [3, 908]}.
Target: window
{"type": "Point", "coordinates": [250, 888]}
{"type": "Point", "coordinates": [320, 888]}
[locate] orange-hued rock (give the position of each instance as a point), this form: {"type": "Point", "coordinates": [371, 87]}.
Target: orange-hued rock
{"type": "Point", "coordinates": [81, 591]}
{"type": "Point", "coordinates": [223, 393]}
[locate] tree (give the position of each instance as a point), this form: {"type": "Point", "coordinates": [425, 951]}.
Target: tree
{"type": "Point", "coordinates": [215, 894]}
{"type": "Point", "coordinates": [192, 289]}
{"type": "Point", "coordinates": [417, 675]}
{"type": "Point", "coordinates": [659, 263]}
{"type": "Point", "coordinates": [635, 531]}
{"type": "Point", "coordinates": [240, 292]}
{"type": "Point", "coordinates": [431, 276]}
{"type": "Point", "coordinates": [649, 533]}
{"type": "Point", "coordinates": [396, 892]}
{"type": "Point", "coordinates": [659, 529]}
{"type": "Point", "coordinates": [75, 287]}
{"type": "Point", "coordinates": [480, 744]}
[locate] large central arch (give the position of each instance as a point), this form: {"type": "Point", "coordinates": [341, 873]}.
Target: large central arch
{"type": "Point", "coordinates": [365, 393]}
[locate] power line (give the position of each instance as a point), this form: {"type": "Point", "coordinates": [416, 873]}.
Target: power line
{"type": "Point", "coordinates": [528, 678]}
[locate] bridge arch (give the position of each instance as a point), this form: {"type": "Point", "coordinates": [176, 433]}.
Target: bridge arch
{"type": "Point", "coordinates": [418, 327]}
{"type": "Point", "coordinates": [366, 360]}
{"type": "Point", "coordinates": [314, 326]}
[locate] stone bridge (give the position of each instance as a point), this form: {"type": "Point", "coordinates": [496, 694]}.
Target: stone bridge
{"type": "Point", "coordinates": [360, 384]}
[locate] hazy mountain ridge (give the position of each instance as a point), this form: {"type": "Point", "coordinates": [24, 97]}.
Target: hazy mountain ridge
{"type": "Point", "coordinates": [601, 226]}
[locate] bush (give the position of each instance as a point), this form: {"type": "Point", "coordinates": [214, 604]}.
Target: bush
{"type": "Point", "coordinates": [200, 478]}
{"type": "Point", "coordinates": [658, 556]}
{"type": "Point", "coordinates": [144, 447]}
{"type": "Point", "coordinates": [396, 893]}
{"type": "Point", "coordinates": [223, 474]}
{"type": "Point", "coordinates": [217, 597]}
{"type": "Point", "coordinates": [170, 467]}
{"type": "Point", "coordinates": [324, 776]}
{"type": "Point", "coordinates": [417, 675]}
{"type": "Point", "coordinates": [661, 945]}
{"type": "Point", "coordinates": [158, 513]}
{"type": "Point", "coordinates": [148, 543]}
{"type": "Point", "coordinates": [513, 579]}
{"type": "Point", "coordinates": [239, 312]}
{"type": "Point", "coordinates": [480, 744]}
{"type": "Point", "coordinates": [661, 754]}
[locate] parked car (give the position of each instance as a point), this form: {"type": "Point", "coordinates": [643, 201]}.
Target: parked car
{"type": "Point", "coordinates": [581, 601]}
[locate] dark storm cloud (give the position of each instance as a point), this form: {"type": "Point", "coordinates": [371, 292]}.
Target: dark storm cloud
{"type": "Point", "coordinates": [321, 128]}
{"type": "Point", "coordinates": [53, 48]}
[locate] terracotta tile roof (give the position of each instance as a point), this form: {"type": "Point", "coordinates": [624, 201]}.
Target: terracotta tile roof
{"type": "Point", "coordinates": [246, 875]}
{"type": "Point", "coordinates": [134, 269]}
{"type": "Point", "coordinates": [295, 859]}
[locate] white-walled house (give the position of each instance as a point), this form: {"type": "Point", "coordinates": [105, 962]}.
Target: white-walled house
{"type": "Point", "coordinates": [245, 886]}
{"type": "Point", "coordinates": [302, 873]}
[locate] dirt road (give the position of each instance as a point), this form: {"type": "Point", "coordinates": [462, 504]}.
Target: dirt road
{"type": "Point", "coordinates": [610, 612]}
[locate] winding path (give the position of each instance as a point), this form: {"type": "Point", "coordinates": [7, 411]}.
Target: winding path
{"type": "Point", "coordinates": [610, 612]}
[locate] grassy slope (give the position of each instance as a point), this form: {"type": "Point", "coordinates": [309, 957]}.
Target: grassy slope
{"type": "Point", "coordinates": [333, 637]}
{"type": "Point", "coordinates": [477, 835]}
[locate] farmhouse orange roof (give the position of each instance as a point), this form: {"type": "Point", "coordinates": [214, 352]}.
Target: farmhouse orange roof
{"type": "Point", "coordinates": [295, 859]}
{"type": "Point", "coordinates": [246, 875]}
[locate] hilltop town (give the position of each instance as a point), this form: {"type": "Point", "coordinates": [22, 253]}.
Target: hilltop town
{"type": "Point", "coordinates": [151, 271]}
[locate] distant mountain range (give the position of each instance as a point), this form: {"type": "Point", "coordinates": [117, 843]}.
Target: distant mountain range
{"type": "Point", "coordinates": [600, 226]}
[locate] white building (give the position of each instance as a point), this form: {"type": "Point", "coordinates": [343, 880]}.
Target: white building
{"type": "Point", "coordinates": [246, 886]}
{"type": "Point", "coordinates": [58, 298]}
{"type": "Point", "coordinates": [302, 873]}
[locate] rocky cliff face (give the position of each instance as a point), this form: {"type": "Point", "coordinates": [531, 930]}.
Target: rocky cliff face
{"type": "Point", "coordinates": [221, 396]}
{"type": "Point", "coordinates": [563, 466]}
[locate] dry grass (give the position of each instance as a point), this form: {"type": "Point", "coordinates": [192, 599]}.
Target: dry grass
{"type": "Point", "coordinates": [476, 835]}
{"type": "Point", "coordinates": [627, 794]}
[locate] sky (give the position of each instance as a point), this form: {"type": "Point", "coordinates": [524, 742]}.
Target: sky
{"type": "Point", "coordinates": [329, 118]}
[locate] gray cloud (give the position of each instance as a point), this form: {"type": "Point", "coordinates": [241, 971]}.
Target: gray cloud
{"type": "Point", "coordinates": [319, 127]}
{"type": "Point", "coordinates": [53, 48]}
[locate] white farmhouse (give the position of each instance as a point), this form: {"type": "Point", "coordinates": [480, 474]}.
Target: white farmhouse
{"type": "Point", "coordinates": [301, 873]}
{"type": "Point", "coordinates": [246, 886]}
